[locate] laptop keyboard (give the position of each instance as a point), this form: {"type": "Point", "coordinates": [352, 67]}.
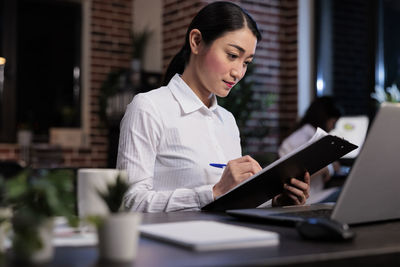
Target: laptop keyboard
{"type": "Point", "coordinates": [320, 213]}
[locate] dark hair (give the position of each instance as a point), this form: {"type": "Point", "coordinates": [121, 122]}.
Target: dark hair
{"type": "Point", "coordinates": [212, 21]}
{"type": "Point", "coordinates": [320, 111]}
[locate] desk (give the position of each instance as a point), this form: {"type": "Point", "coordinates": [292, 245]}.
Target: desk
{"type": "Point", "coordinates": [375, 244]}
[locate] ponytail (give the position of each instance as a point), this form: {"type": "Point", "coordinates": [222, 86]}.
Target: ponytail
{"type": "Point", "coordinates": [177, 65]}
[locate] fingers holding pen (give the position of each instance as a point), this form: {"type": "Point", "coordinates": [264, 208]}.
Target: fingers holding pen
{"type": "Point", "coordinates": [235, 172]}
{"type": "Point", "coordinates": [243, 168]}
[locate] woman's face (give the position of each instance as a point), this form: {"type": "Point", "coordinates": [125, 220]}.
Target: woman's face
{"type": "Point", "coordinates": [330, 124]}
{"type": "Point", "coordinates": [219, 66]}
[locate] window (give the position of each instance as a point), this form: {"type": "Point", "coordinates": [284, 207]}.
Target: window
{"type": "Point", "coordinates": [43, 51]}
{"type": "Point", "coordinates": [345, 59]}
{"type": "Point", "coordinates": [388, 55]}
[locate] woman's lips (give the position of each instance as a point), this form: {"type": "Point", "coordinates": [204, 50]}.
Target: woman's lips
{"type": "Point", "coordinates": [229, 84]}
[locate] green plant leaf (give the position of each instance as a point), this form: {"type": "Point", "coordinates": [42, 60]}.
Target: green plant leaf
{"type": "Point", "coordinates": [139, 42]}
{"type": "Point", "coordinates": [95, 220]}
{"type": "Point", "coordinates": [114, 194]}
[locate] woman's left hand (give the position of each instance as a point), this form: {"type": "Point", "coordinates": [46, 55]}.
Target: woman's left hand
{"type": "Point", "coordinates": [295, 193]}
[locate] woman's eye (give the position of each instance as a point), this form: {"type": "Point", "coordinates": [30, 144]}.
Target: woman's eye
{"type": "Point", "coordinates": [246, 64]}
{"type": "Point", "coordinates": [232, 56]}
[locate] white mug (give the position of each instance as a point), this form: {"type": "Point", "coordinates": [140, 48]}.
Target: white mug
{"type": "Point", "coordinates": [90, 182]}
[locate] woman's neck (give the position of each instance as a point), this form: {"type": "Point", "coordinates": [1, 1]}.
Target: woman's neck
{"type": "Point", "coordinates": [194, 83]}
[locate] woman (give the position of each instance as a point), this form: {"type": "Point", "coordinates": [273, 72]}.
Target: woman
{"type": "Point", "coordinates": [322, 113]}
{"type": "Point", "coordinates": [170, 135]}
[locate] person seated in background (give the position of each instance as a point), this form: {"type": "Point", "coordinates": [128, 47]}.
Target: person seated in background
{"type": "Point", "coordinates": [323, 113]}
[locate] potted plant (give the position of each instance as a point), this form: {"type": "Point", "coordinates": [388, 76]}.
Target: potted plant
{"type": "Point", "coordinates": [120, 84]}
{"type": "Point", "coordinates": [118, 232]}
{"type": "Point", "coordinates": [139, 43]}
{"type": "Point", "coordinates": [36, 197]}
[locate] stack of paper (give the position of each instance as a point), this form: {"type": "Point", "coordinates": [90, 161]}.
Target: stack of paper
{"type": "Point", "coordinates": [67, 236]}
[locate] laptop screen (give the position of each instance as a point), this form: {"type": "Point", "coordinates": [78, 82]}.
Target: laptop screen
{"type": "Point", "coordinates": [370, 192]}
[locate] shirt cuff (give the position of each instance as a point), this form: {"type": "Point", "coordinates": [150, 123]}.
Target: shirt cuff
{"type": "Point", "coordinates": [331, 169]}
{"type": "Point", "coordinates": [205, 194]}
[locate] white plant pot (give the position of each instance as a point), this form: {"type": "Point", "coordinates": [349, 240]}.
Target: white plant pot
{"type": "Point", "coordinates": [46, 252]}
{"type": "Point", "coordinates": [5, 214]}
{"type": "Point", "coordinates": [41, 255]}
{"type": "Point", "coordinates": [24, 138]}
{"type": "Point", "coordinates": [118, 237]}
{"type": "Point", "coordinates": [2, 238]}
{"type": "Point", "coordinates": [136, 65]}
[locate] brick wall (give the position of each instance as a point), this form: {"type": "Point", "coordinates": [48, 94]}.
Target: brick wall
{"type": "Point", "coordinates": [110, 50]}
{"type": "Point", "coordinates": [110, 44]}
{"type": "Point", "coordinates": [276, 61]}
{"type": "Point", "coordinates": [275, 72]}
{"type": "Point", "coordinates": [177, 16]}
{"type": "Point", "coordinates": [9, 152]}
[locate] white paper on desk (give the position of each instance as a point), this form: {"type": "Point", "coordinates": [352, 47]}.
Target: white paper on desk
{"type": "Point", "coordinates": [209, 235]}
{"type": "Point", "coordinates": [75, 240]}
{"type": "Point", "coordinates": [67, 236]}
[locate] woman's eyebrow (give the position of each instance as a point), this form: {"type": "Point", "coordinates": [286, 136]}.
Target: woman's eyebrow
{"type": "Point", "coordinates": [240, 49]}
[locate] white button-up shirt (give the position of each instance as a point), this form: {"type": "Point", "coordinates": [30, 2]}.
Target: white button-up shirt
{"type": "Point", "coordinates": [167, 141]}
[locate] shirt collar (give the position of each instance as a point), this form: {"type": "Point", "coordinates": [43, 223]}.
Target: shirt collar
{"type": "Point", "coordinates": [186, 98]}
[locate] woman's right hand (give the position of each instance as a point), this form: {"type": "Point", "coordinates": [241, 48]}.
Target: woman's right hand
{"type": "Point", "coordinates": [235, 172]}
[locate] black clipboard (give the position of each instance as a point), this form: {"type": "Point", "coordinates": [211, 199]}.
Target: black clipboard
{"type": "Point", "coordinates": [268, 183]}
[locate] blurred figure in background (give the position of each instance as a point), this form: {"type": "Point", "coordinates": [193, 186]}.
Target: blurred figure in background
{"type": "Point", "coordinates": [323, 113]}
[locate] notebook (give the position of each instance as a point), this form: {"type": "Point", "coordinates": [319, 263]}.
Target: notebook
{"type": "Point", "coordinates": [202, 235]}
{"type": "Point", "coordinates": [371, 191]}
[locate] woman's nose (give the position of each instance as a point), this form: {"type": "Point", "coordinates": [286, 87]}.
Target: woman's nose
{"type": "Point", "coordinates": [237, 71]}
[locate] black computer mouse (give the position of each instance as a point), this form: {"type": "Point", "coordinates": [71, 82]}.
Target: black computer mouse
{"type": "Point", "coordinates": [324, 230]}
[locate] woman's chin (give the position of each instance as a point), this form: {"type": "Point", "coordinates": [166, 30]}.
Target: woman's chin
{"type": "Point", "coordinates": [223, 93]}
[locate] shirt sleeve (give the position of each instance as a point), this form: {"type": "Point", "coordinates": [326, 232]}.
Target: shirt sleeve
{"type": "Point", "coordinates": [140, 132]}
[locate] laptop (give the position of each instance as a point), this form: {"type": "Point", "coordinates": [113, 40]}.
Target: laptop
{"type": "Point", "coordinates": [370, 192]}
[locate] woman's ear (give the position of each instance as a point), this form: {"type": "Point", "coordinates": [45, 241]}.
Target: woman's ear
{"type": "Point", "coordinates": [195, 40]}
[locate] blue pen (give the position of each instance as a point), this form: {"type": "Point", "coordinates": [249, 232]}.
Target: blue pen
{"type": "Point", "coordinates": [218, 165]}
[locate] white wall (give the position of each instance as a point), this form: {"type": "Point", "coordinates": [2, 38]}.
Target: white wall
{"type": "Point", "coordinates": [148, 13]}
{"type": "Point", "coordinates": [305, 57]}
